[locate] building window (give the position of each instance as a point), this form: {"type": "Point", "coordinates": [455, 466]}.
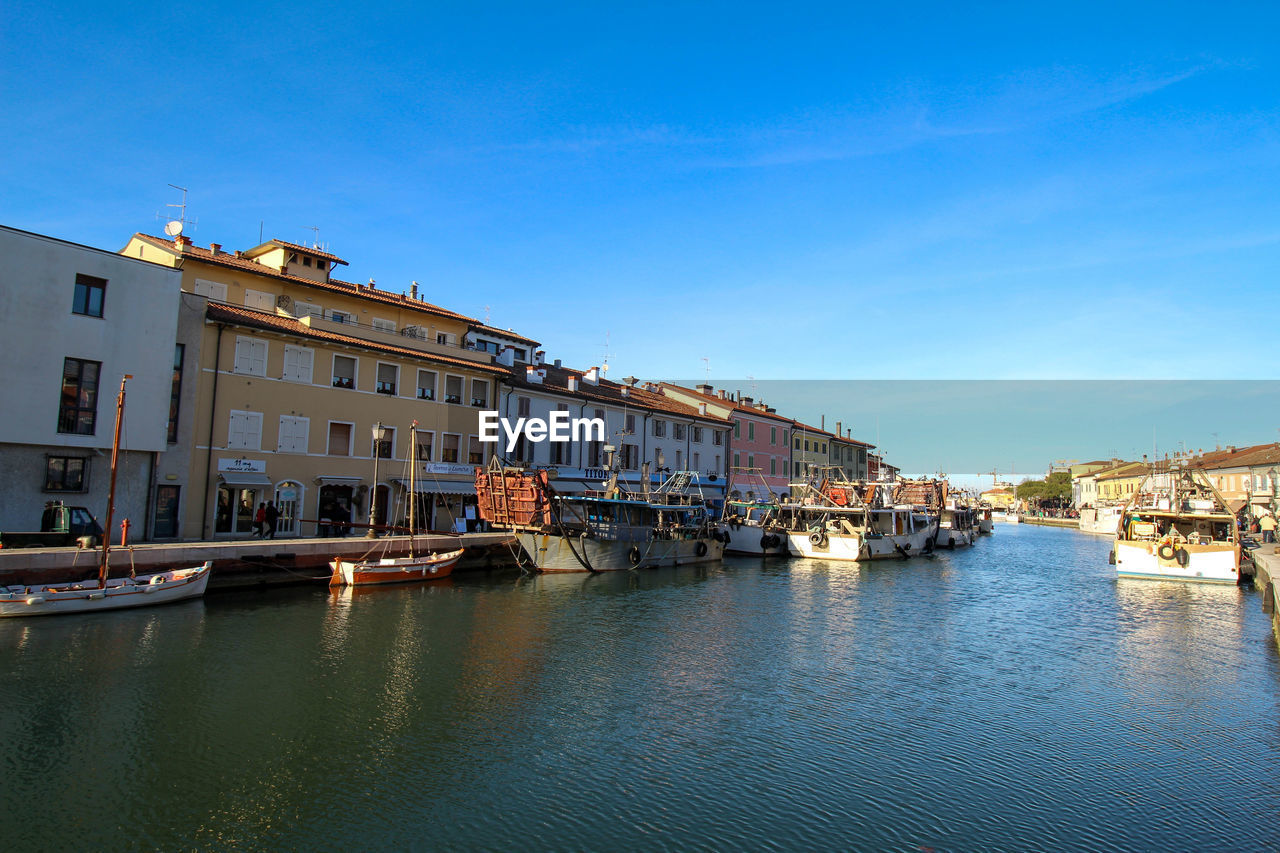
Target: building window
{"type": "Point", "coordinates": [449, 447]}
{"type": "Point", "coordinates": [175, 391]}
{"type": "Point", "coordinates": [773, 466]}
{"type": "Point", "coordinates": [426, 385]}
{"type": "Point", "coordinates": [522, 407]}
{"type": "Point", "coordinates": [677, 432]}
{"type": "Point", "coordinates": [344, 372]}
{"type": "Point", "coordinates": [382, 325]}
{"type": "Point", "coordinates": [697, 461]}
{"type": "Point", "coordinates": [737, 428]}
{"type": "Point", "coordinates": [631, 425]}
{"type": "Point", "coordinates": [89, 295]}
{"type": "Point", "coordinates": [452, 389]}
{"type": "Point", "coordinates": [388, 377]}
{"type": "Point", "coordinates": [659, 428]}
{"type": "Point", "coordinates": [717, 438]}
{"type": "Point", "coordinates": [631, 456]}
{"type": "Point", "coordinates": [384, 449]}
{"type": "Point", "coordinates": [292, 436]}
{"type": "Point", "coordinates": [658, 459]}
{"type": "Point", "coordinates": [447, 339]}
{"type": "Point", "coordinates": [697, 435]}
{"type": "Point", "coordinates": [479, 393]}
{"type": "Point", "coordinates": [751, 460]}
{"type": "Point", "coordinates": [298, 362]}
{"type": "Point", "coordinates": [425, 442]}
{"type": "Point", "coordinates": [751, 431]}
{"type": "Point", "coordinates": [737, 460]}
{"type": "Point", "coordinates": [773, 435]}
{"type": "Point", "coordinates": [212, 290]}
{"type": "Point", "coordinates": [594, 451]}
{"type": "Point", "coordinates": [797, 444]}
{"type": "Point", "coordinates": [475, 451]}
{"type": "Point", "coordinates": [341, 317]}
{"type": "Point", "coordinates": [306, 262]}
{"type": "Point", "coordinates": [321, 264]}
{"type": "Point", "coordinates": [65, 474]}
{"type": "Point", "coordinates": [339, 439]}
{"type": "Point", "coordinates": [260, 300]}
{"type": "Point", "coordinates": [244, 430]}
{"type": "Point", "coordinates": [251, 357]}
{"type": "Point", "coordinates": [78, 411]}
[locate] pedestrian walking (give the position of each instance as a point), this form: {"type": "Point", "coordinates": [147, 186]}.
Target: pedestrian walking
{"type": "Point", "coordinates": [272, 518]}
{"type": "Point", "coordinates": [260, 521]}
{"type": "Point", "coordinates": [1268, 526]}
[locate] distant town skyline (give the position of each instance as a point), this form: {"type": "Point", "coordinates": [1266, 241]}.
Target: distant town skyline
{"type": "Point", "coordinates": [1017, 428]}
{"type": "Point", "coordinates": [826, 192]}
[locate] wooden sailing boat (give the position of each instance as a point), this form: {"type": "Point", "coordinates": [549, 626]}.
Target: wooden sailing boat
{"type": "Point", "coordinates": [106, 593]}
{"type": "Point", "coordinates": [430, 566]}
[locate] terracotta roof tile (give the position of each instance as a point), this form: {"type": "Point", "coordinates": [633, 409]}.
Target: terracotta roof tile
{"type": "Point", "coordinates": [504, 333]}
{"type": "Point", "coordinates": [297, 247]}
{"type": "Point", "coordinates": [557, 381]}
{"type": "Point", "coordinates": [232, 261]}
{"type": "Point", "coordinates": [248, 317]}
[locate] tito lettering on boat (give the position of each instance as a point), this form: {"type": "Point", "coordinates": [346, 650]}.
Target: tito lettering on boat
{"type": "Point", "coordinates": [560, 428]}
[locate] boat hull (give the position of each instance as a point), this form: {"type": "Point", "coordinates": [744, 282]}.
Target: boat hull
{"type": "Point", "coordinates": [1101, 522]}
{"type": "Point", "coordinates": [554, 553]}
{"type": "Point", "coordinates": [394, 569]}
{"type": "Point", "coordinates": [949, 538]}
{"type": "Point", "coordinates": [749, 540]}
{"type": "Point", "coordinates": [851, 547]}
{"type": "Point", "coordinates": [1211, 563]}
{"type": "Point", "coordinates": [120, 593]}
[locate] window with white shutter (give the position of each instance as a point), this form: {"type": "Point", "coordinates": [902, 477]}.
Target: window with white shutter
{"type": "Point", "coordinates": [298, 362]}
{"type": "Point", "coordinates": [251, 356]}
{"type": "Point", "coordinates": [293, 434]}
{"type": "Point", "coordinates": [244, 430]}
{"type": "Point", "coordinates": [260, 300]}
{"type": "Point", "coordinates": [214, 290]}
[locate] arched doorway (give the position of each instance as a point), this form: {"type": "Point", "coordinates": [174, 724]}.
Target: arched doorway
{"type": "Point", "coordinates": [289, 496]}
{"type": "Point", "coordinates": [334, 510]}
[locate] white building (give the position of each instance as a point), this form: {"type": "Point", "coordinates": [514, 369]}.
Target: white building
{"type": "Point", "coordinates": [75, 320]}
{"type": "Point", "coordinates": [641, 422]}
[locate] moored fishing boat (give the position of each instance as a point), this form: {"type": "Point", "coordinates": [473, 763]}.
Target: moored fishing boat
{"type": "Point", "coordinates": [106, 593]}
{"type": "Point", "coordinates": [1104, 520]}
{"type": "Point", "coordinates": [957, 521]}
{"type": "Point", "coordinates": [986, 525]}
{"type": "Point", "coordinates": [1177, 526]}
{"type": "Point", "coordinates": [404, 569]}
{"type": "Point", "coordinates": [836, 519]}
{"type": "Point", "coordinates": [599, 533]}
{"type": "Point", "coordinates": [749, 525]}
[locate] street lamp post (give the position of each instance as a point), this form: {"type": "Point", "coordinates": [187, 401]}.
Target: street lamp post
{"type": "Point", "coordinates": [379, 436]}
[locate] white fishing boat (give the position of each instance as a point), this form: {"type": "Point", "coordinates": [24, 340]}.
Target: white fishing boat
{"type": "Point", "coordinates": [957, 522]}
{"type": "Point", "coordinates": [606, 533]}
{"type": "Point", "coordinates": [1002, 515]}
{"type": "Point", "coordinates": [106, 593]}
{"type": "Point", "coordinates": [986, 525]}
{"type": "Point", "coordinates": [1103, 520]}
{"type": "Point", "coordinates": [385, 569]}
{"type": "Point", "coordinates": [749, 525]}
{"type": "Point", "coordinates": [1177, 526]}
{"type": "Point", "coordinates": [834, 519]}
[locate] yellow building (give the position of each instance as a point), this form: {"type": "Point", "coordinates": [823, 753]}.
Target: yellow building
{"type": "Point", "coordinates": [1000, 497]}
{"type": "Point", "coordinates": [282, 373]}
{"type": "Point", "coordinates": [1117, 484]}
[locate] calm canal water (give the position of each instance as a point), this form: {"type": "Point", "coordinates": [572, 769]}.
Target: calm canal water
{"type": "Point", "coordinates": [1013, 696]}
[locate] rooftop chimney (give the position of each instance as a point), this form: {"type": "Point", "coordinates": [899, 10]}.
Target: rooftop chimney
{"type": "Point", "coordinates": [702, 409]}
{"type": "Point", "coordinates": [413, 290]}
{"type": "Point", "coordinates": [629, 381]}
{"type": "Point", "coordinates": [746, 401]}
{"type": "Point", "coordinates": [215, 248]}
{"type": "Point", "coordinates": [839, 430]}
{"type": "Point", "coordinates": [626, 390]}
{"type": "Point", "coordinates": [573, 383]}
{"type": "Point", "coordinates": [373, 285]}
{"type": "Point", "coordinates": [721, 393]}
{"type": "Point", "coordinates": [592, 376]}
{"type": "Point", "coordinates": [704, 389]}
{"type": "Point", "coordinates": [534, 375]}
{"type": "Point", "coordinates": [507, 356]}
{"type": "Point", "coordinates": [540, 357]}
{"type": "Point", "coordinates": [557, 363]}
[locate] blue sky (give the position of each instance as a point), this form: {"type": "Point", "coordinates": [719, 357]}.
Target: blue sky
{"type": "Point", "coordinates": [806, 191]}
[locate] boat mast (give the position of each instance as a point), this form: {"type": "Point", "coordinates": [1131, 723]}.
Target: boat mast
{"type": "Point", "coordinates": [111, 492]}
{"type": "Point", "coordinates": [413, 486]}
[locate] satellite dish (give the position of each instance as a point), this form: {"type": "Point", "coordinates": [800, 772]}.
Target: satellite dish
{"type": "Point", "coordinates": [173, 228]}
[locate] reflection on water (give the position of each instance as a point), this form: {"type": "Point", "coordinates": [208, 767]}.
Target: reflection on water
{"type": "Point", "coordinates": [1014, 695]}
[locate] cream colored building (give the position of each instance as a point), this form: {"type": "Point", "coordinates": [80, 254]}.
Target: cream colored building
{"type": "Point", "coordinates": [292, 371]}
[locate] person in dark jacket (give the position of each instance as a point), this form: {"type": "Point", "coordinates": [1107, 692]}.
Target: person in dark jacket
{"type": "Point", "coordinates": [272, 519]}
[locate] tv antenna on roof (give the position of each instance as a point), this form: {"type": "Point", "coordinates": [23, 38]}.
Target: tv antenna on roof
{"type": "Point", "coordinates": [315, 239]}
{"type": "Point", "coordinates": [173, 226]}
{"type": "Point", "coordinates": [706, 367]}
{"type": "Point", "coordinates": [604, 368]}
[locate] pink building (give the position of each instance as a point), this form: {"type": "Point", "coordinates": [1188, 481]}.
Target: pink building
{"type": "Point", "coordinates": [760, 436]}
